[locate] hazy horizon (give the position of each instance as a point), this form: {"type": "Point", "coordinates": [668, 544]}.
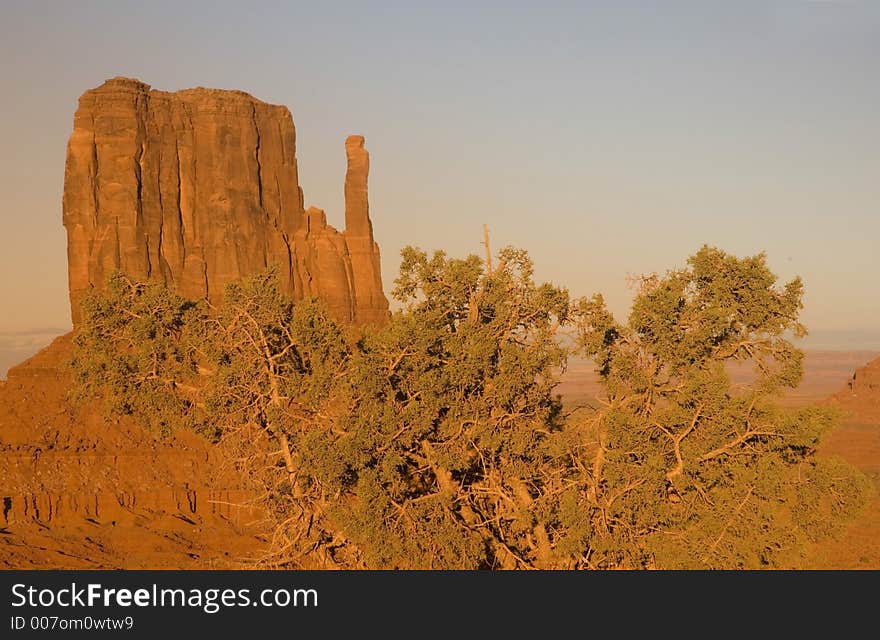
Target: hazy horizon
{"type": "Point", "coordinates": [605, 138]}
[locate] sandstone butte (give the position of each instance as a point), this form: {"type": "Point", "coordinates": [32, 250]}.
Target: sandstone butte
{"type": "Point", "coordinates": [861, 397]}
{"type": "Point", "coordinates": [199, 188]}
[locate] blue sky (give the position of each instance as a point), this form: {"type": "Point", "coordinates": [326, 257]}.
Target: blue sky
{"type": "Point", "coordinates": [607, 138]}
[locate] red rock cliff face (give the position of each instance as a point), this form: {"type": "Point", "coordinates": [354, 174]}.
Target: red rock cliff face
{"type": "Point", "coordinates": [199, 188]}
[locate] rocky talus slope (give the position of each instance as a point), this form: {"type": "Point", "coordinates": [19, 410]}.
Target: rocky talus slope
{"type": "Point", "coordinates": [80, 489]}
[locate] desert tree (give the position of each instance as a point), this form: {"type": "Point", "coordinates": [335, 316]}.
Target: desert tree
{"type": "Point", "coordinates": [443, 455]}
{"type": "Point", "coordinates": [689, 469]}
{"type": "Point", "coordinates": [275, 368]}
{"type": "Point", "coordinates": [249, 373]}
{"type": "Point", "coordinates": [133, 349]}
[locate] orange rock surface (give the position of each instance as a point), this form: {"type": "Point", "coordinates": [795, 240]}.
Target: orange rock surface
{"type": "Point", "coordinates": [199, 188]}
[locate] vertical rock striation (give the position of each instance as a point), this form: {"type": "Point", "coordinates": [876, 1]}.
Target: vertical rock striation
{"type": "Point", "coordinates": [199, 188]}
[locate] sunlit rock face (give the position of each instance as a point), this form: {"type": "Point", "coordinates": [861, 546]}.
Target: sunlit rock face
{"type": "Point", "coordinates": [199, 188]}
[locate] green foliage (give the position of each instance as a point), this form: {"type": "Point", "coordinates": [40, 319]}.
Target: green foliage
{"type": "Point", "coordinates": [436, 440]}
{"type": "Point", "coordinates": [272, 363]}
{"type": "Point", "coordinates": [450, 412]}
{"type": "Point", "coordinates": [717, 474]}
{"type": "Point", "coordinates": [132, 349]}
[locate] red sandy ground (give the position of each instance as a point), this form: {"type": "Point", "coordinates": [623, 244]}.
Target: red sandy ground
{"type": "Point", "coordinates": [79, 489]}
